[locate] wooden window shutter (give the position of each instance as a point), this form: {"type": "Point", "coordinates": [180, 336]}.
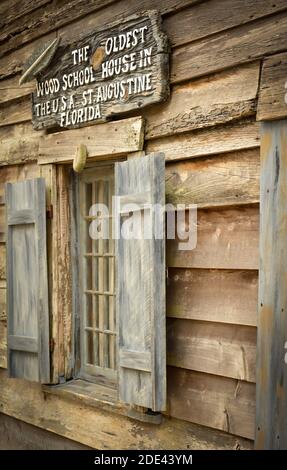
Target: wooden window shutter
{"type": "Point", "coordinates": [27, 281]}
{"type": "Point", "coordinates": [141, 284]}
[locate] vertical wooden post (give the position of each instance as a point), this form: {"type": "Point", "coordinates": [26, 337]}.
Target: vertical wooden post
{"type": "Point", "coordinates": [271, 400]}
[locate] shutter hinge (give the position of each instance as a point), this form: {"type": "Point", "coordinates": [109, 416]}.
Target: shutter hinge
{"type": "Point", "coordinates": [49, 211]}
{"type": "Point", "coordinates": [52, 345]}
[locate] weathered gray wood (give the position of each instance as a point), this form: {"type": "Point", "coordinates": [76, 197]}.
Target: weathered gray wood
{"type": "Point", "coordinates": [271, 400]}
{"type": "Point", "coordinates": [27, 285]}
{"type": "Point", "coordinates": [141, 288]}
{"type": "Point", "coordinates": [23, 343]}
{"type": "Point", "coordinates": [135, 360]}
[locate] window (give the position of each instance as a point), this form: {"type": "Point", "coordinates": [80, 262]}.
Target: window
{"type": "Point", "coordinates": [126, 348]}
{"type": "Point", "coordinates": [97, 273]}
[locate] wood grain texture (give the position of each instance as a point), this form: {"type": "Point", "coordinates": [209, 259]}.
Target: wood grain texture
{"type": "Point", "coordinates": [40, 21]}
{"type": "Point", "coordinates": [213, 348]}
{"type": "Point", "coordinates": [18, 111]}
{"type": "Point", "coordinates": [90, 14]}
{"type": "Point", "coordinates": [3, 328]}
{"type": "Point", "coordinates": [221, 296]}
{"type": "Point", "coordinates": [10, 173]}
{"type": "Point", "coordinates": [221, 99]}
{"type": "Point", "coordinates": [226, 239]}
{"type": "Point", "coordinates": [140, 279]}
{"type": "Point", "coordinates": [59, 258]}
{"type": "Point", "coordinates": [11, 90]}
{"type": "Point", "coordinates": [225, 404]}
{"type": "Point", "coordinates": [102, 430]}
{"type": "Point", "coordinates": [225, 97]}
{"type": "Point", "coordinates": [272, 103]}
{"type": "Point", "coordinates": [12, 10]}
{"type": "Point", "coordinates": [17, 435]}
{"type": "Point", "coordinates": [271, 431]}
{"type": "Point", "coordinates": [11, 64]}
{"type": "Point", "coordinates": [128, 97]}
{"type": "Point", "coordinates": [27, 304]}
{"type": "Point", "coordinates": [2, 261]}
{"type": "Point", "coordinates": [110, 139]}
{"type": "Point", "coordinates": [19, 144]}
{"type": "Point", "coordinates": [17, 173]}
{"type": "Point", "coordinates": [194, 22]}
{"type": "Point", "coordinates": [211, 141]}
{"type": "Point", "coordinates": [237, 46]}
{"type": "Point", "coordinates": [222, 180]}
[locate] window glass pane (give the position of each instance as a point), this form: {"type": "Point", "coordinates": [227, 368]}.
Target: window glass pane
{"type": "Point", "coordinates": [98, 327]}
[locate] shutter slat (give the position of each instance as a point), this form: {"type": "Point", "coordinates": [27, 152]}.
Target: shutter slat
{"type": "Point", "coordinates": [141, 283]}
{"type": "Point", "coordinates": [27, 281]}
{"type": "Point", "coordinates": [135, 360]}
{"type": "Point", "coordinates": [23, 343]}
{"type": "Point", "coordinates": [24, 216]}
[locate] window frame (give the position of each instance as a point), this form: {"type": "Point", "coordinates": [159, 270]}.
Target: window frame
{"type": "Point", "coordinates": [94, 374]}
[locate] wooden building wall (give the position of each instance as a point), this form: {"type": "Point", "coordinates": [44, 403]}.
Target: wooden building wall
{"type": "Point", "coordinates": [211, 140]}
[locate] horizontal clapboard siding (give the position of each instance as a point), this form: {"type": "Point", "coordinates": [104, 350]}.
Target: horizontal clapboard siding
{"type": "Point", "coordinates": [213, 348]}
{"type": "Point", "coordinates": [212, 295]}
{"type": "Point", "coordinates": [212, 401]}
{"type": "Point", "coordinates": [215, 69]}
{"type": "Point", "coordinates": [226, 239]}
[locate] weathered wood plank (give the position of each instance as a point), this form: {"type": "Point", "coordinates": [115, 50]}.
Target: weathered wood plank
{"type": "Point", "coordinates": [140, 292]}
{"type": "Point", "coordinates": [236, 136]}
{"type": "Point", "coordinates": [10, 173]}
{"type": "Point", "coordinates": [271, 412]}
{"type": "Point", "coordinates": [11, 10]}
{"type": "Point", "coordinates": [102, 430]}
{"type": "Point", "coordinates": [17, 435]}
{"type": "Point", "coordinates": [223, 180]}
{"type": "Point", "coordinates": [59, 259]}
{"type": "Point", "coordinates": [237, 46]}
{"type": "Point", "coordinates": [213, 348]}
{"type": "Point", "coordinates": [44, 20]}
{"type": "Point", "coordinates": [272, 103]}
{"type": "Point", "coordinates": [226, 239]}
{"type": "Point", "coordinates": [147, 85]}
{"type": "Point", "coordinates": [13, 63]}
{"type": "Point", "coordinates": [3, 328]}
{"type": "Point", "coordinates": [19, 143]}
{"type": "Point", "coordinates": [27, 304]}
{"type": "Point", "coordinates": [2, 261]}
{"type": "Point", "coordinates": [110, 139]}
{"type": "Point", "coordinates": [225, 97]}
{"type": "Point", "coordinates": [18, 111]}
{"type": "Point", "coordinates": [221, 296]}
{"type": "Point", "coordinates": [194, 22]}
{"type": "Point", "coordinates": [11, 90]}
{"type": "Point", "coordinates": [217, 402]}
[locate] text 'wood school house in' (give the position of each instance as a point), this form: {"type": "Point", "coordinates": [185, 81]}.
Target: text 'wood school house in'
{"type": "Point", "coordinates": [143, 173]}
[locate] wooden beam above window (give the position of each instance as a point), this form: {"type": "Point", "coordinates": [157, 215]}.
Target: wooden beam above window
{"type": "Point", "coordinates": [106, 140]}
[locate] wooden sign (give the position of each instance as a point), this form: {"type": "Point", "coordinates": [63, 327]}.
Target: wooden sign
{"type": "Point", "coordinates": [120, 68]}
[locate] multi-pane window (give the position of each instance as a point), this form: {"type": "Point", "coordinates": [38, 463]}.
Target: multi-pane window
{"type": "Point", "coordinates": [97, 258]}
